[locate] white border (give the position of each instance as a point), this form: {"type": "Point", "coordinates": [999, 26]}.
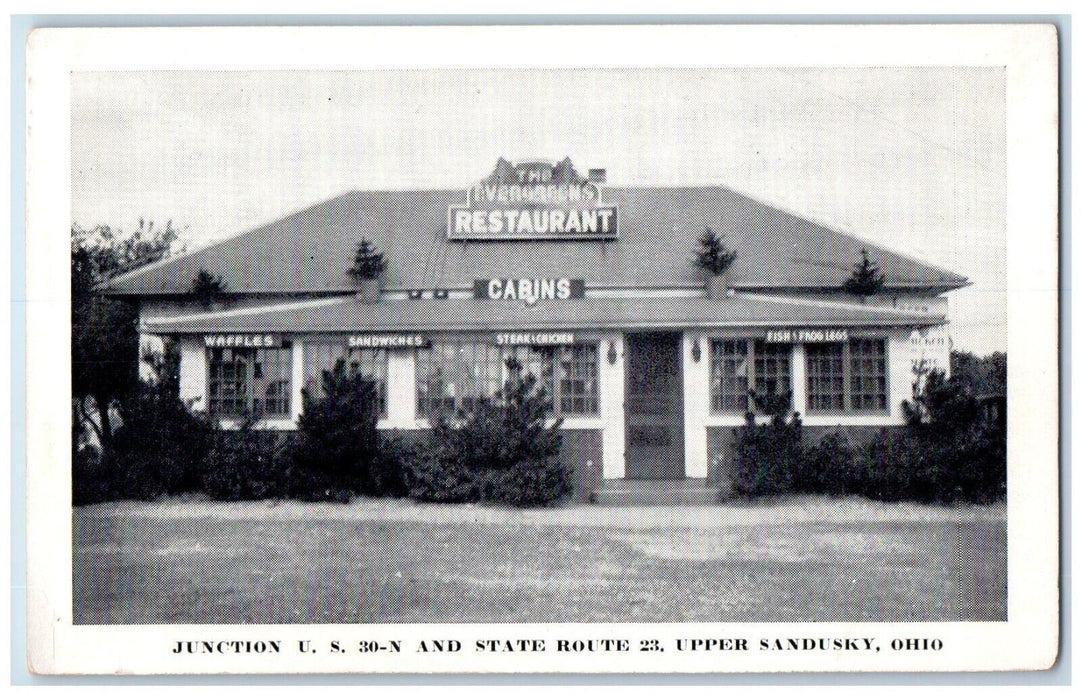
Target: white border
{"type": "Point", "coordinates": [1028, 52]}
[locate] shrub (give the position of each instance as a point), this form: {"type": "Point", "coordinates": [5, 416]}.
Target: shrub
{"type": "Point", "coordinates": [160, 448]}
{"type": "Point", "coordinates": [339, 451]}
{"type": "Point", "coordinates": [503, 451]}
{"type": "Point", "coordinates": [246, 464]}
{"type": "Point", "coordinates": [368, 263]}
{"type": "Point", "coordinates": [865, 278]}
{"type": "Point", "coordinates": [532, 482]}
{"type": "Point", "coordinates": [207, 288]}
{"type": "Point", "coordinates": [829, 466]}
{"type": "Point", "coordinates": [769, 456]}
{"type": "Point", "coordinates": [90, 480]}
{"type": "Point", "coordinates": [441, 471]}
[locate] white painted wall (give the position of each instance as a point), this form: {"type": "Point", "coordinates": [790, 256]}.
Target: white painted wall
{"type": "Point", "coordinates": [401, 390]}
{"type": "Point", "coordinates": [613, 447]}
{"type": "Point", "coordinates": [696, 403]}
{"type": "Point", "coordinates": [193, 373]}
{"type": "Point", "coordinates": [149, 343]}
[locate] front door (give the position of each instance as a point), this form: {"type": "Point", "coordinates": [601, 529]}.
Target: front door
{"type": "Point", "coordinates": [655, 407]}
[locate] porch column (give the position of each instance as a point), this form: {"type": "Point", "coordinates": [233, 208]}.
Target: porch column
{"type": "Point", "coordinates": [696, 403]}
{"type": "Point", "coordinates": [402, 389]}
{"type": "Point", "coordinates": [799, 379]}
{"type": "Point", "coordinates": [193, 373]}
{"type": "Point", "coordinates": [149, 344]}
{"type": "Point", "coordinates": [297, 382]}
{"type": "Point", "coordinates": [611, 377]}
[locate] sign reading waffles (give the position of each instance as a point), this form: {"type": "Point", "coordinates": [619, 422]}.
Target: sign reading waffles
{"type": "Point", "coordinates": [533, 200]}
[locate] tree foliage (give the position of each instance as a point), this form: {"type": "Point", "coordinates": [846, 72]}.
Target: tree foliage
{"type": "Point", "coordinates": [368, 263]}
{"type": "Point", "coordinates": [770, 455]}
{"type": "Point", "coordinates": [105, 340]}
{"type": "Point", "coordinates": [865, 279]}
{"type": "Point", "coordinates": [980, 375]}
{"type": "Point", "coordinates": [713, 255]}
{"type": "Point", "coordinates": [338, 445]}
{"type": "Point", "coordinates": [504, 451]}
{"type": "Point", "coordinates": [207, 288]}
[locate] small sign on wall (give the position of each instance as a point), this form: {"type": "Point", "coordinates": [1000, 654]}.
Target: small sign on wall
{"type": "Point", "coordinates": [807, 335]}
{"type": "Point", "coordinates": [243, 340]}
{"type": "Point", "coordinates": [536, 338]}
{"type": "Point", "coordinates": [530, 290]}
{"type": "Point", "coordinates": [388, 340]}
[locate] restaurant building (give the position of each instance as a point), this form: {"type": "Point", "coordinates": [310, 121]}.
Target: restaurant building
{"type": "Point", "coordinates": [648, 361]}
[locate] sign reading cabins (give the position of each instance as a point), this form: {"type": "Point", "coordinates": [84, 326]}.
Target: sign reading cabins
{"type": "Point", "coordinates": [533, 200]}
{"type": "Point", "coordinates": [530, 290]}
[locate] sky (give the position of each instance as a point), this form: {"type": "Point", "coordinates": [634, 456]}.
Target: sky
{"type": "Point", "coordinates": [912, 159]}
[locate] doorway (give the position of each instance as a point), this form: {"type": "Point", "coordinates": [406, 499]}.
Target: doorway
{"type": "Point", "coordinates": [655, 406]}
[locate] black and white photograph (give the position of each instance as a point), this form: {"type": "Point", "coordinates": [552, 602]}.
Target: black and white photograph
{"type": "Point", "coordinates": [540, 345]}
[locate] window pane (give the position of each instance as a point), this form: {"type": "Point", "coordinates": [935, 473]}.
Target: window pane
{"type": "Point", "coordinates": [868, 380]}
{"type": "Point", "coordinates": [454, 375]}
{"type": "Point", "coordinates": [578, 386]}
{"type": "Point", "coordinates": [826, 383]}
{"type": "Point", "coordinates": [728, 375]}
{"type": "Point", "coordinates": [772, 368]}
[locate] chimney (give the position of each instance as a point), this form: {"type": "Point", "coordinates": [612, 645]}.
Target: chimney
{"type": "Point", "coordinates": [596, 176]}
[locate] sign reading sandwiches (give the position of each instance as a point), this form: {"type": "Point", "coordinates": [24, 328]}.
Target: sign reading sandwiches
{"type": "Point", "coordinates": [533, 200]}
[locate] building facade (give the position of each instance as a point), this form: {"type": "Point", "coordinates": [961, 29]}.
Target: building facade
{"type": "Point", "coordinates": [594, 289]}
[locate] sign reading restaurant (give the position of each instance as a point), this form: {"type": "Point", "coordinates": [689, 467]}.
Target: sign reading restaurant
{"type": "Point", "coordinates": [533, 200]}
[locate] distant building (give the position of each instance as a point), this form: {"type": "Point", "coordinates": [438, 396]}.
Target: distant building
{"type": "Point", "coordinates": [593, 287]}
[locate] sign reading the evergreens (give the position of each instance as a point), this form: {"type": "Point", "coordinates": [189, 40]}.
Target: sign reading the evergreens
{"type": "Point", "coordinates": [533, 200]}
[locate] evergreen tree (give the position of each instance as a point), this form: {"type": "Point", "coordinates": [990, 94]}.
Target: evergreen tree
{"type": "Point", "coordinates": [865, 279]}
{"type": "Point", "coordinates": [206, 288]}
{"type": "Point", "coordinates": [368, 264]}
{"type": "Point", "coordinates": [713, 255]}
{"type": "Point", "coordinates": [337, 440]}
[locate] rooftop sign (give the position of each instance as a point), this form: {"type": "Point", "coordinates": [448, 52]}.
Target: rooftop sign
{"type": "Point", "coordinates": [533, 200]}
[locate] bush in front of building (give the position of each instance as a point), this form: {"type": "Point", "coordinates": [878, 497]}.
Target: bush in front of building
{"type": "Point", "coordinates": [246, 465]}
{"type": "Point", "coordinates": [769, 456]}
{"type": "Point", "coordinates": [337, 450]}
{"type": "Point", "coordinates": [946, 453]}
{"type": "Point", "coordinates": [829, 467]}
{"type": "Point", "coordinates": [503, 451]}
{"type": "Point", "coordinates": [161, 448]}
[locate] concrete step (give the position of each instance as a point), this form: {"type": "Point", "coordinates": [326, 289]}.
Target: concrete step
{"type": "Point", "coordinates": [656, 492]}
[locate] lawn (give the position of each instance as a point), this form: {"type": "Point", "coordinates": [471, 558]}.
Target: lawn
{"type": "Point", "coordinates": [396, 561]}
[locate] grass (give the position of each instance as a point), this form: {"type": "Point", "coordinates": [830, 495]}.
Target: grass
{"type": "Point", "coordinates": [395, 561]}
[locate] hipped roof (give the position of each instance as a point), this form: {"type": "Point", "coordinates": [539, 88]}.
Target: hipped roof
{"type": "Point", "coordinates": [310, 251]}
{"type": "Point", "coordinates": [351, 314]}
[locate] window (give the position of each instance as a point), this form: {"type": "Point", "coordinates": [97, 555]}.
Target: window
{"type": "Point", "coordinates": [847, 376]}
{"type": "Point", "coordinates": [454, 375]}
{"type": "Point", "coordinates": [739, 365]}
{"type": "Point", "coordinates": [826, 377]}
{"type": "Point", "coordinates": [868, 374]}
{"type": "Point", "coordinates": [729, 375]}
{"type": "Point", "coordinates": [249, 381]}
{"type": "Point", "coordinates": [369, 362]}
